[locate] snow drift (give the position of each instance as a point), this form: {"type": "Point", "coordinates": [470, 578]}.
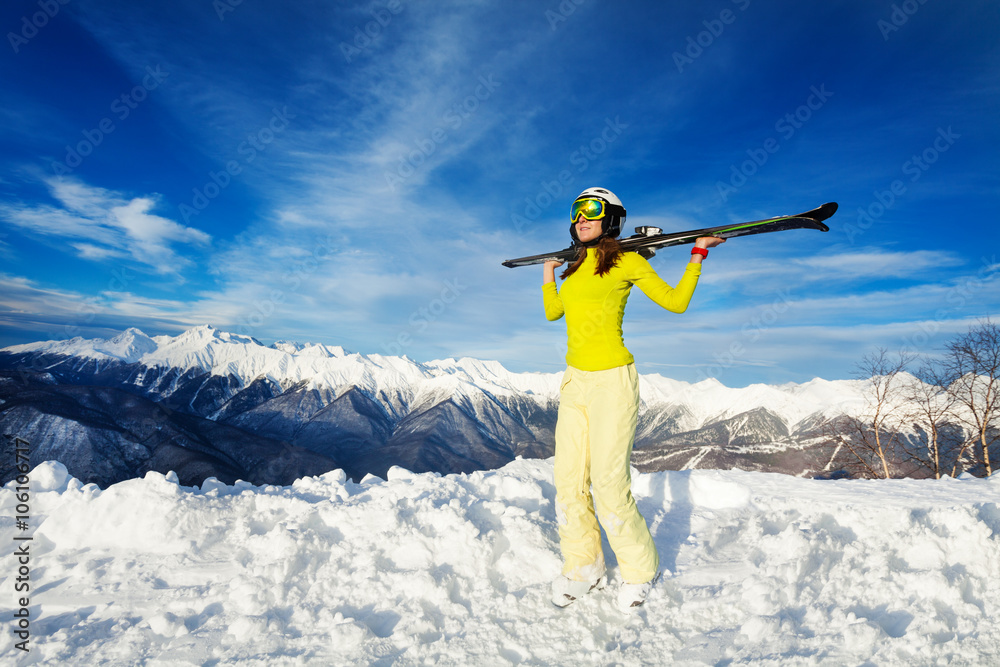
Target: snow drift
{"type": "Point", "coordinates": [429, 569]}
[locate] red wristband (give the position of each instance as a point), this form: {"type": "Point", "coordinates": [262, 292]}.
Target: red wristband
{"type": "Point", "coordinates": [699, 251]}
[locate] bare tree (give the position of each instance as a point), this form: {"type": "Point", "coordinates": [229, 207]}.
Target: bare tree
{"type": "Point", "coordinates": [930, 408]}
{"type": "Point", "coordinates": [973, 360]}
{"type": "Point", "coordinates": [870, 442]}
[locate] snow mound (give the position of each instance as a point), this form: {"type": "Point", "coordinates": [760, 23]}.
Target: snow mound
{"type": "Point", "coordinates": [454, 570]}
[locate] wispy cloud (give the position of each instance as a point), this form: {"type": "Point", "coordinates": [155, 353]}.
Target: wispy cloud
{"type": "Point", "coordinates": [58, 313]}
{"type": "Point", "coordinates": [876, 262]}
{"type": "Point", "coordinates": [111, 224]}
{"type": "Point", "coordinates": [762, 271]}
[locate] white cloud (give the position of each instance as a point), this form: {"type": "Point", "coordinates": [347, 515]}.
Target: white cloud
{"type": "Point", "coordinates": [877, 263]}
{"type": "Point", "coordinates": [110, 224]}
{"type": "Point", "coordinates": [96, 253]}
{"type": "Point", "coordinates": [731, 268]}
{"type": "Point", "coordinates": [30, 309]}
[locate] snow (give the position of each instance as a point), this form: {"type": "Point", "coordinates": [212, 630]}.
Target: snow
{"type": "Point", "coordinates": [422, 569]}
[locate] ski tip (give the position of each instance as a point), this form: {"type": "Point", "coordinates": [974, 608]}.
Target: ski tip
{"type": "Point", "coordinates": [823, 212]}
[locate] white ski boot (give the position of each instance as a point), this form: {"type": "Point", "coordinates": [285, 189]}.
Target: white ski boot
{"type": "Point", "coordinates": [566, 591]}
{"type": "Point", "coordinates": [632, 596]}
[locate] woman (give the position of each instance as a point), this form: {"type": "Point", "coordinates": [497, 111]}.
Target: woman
{"type": "Point", "coordinates": [599, 400]}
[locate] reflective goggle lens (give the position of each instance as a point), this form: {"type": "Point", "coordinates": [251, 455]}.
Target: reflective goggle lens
{"type": "Point", "coordinates": [590, 209]}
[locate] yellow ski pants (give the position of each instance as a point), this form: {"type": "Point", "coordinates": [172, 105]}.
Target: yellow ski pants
{"type": "Point", "coordinates": [594, 437]}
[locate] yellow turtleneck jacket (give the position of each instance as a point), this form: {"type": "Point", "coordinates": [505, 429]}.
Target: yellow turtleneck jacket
{"type": "Point", "coordinates": [595, 305]}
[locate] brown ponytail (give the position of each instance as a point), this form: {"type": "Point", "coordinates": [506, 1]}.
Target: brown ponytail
{"type": "Point", "coordinates": [608, 252]}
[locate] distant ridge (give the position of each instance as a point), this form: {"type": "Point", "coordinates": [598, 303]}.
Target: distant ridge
{"type": "Point", "coordinates": [365, 413]}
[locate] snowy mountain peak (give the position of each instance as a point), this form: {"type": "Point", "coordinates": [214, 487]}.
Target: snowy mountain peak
{"type": "Point", "coordinates": [129, 346]}
{"type": "Point", "coordinates": [206, 334]}
{"type": "Point", "coordinates": [309, 349]}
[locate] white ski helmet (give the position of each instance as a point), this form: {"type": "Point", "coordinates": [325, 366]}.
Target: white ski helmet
{"type": "Point", "coordinates": [614, 212]}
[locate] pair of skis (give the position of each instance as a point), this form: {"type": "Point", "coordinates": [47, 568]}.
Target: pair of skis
{"type": "Point", "coordinates": [647, 240]}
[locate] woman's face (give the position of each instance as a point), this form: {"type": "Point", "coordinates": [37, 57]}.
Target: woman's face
{"type": "Point", "coordinates": [587, 230]}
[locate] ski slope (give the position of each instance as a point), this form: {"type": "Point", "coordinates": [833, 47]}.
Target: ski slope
{"type": "Point", "coordinates": [422, 569]}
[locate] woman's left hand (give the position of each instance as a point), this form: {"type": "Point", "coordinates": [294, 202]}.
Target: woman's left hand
{"type": "Point", "coordinates": [708, 242]}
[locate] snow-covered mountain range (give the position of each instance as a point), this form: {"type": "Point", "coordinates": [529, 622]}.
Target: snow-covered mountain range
{"type": "Point", "coordinates": [212, 403]}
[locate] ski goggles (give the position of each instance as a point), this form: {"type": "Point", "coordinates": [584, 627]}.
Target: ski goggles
{"type": "Point", "coordinates": [590, 209]}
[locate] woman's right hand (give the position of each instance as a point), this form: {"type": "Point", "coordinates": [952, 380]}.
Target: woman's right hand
{"type": "Point", "coordinates": [549, 270]}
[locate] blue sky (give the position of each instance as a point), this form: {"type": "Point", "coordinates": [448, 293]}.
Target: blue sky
{"type": "Point", "coordinates": [354, 173]}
